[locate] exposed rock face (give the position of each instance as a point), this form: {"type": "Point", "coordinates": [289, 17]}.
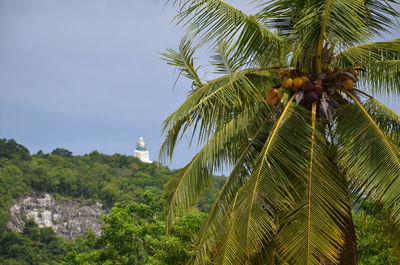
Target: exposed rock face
{"type": "Point", "coordinates": [68, 219]}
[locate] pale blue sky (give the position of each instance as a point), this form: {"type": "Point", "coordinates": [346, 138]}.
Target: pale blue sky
{"type": "Point", "coordinates": [86, 75]}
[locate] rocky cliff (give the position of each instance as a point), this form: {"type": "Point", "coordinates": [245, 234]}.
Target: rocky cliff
{"type": "Point", "coordinates": [68, 218]}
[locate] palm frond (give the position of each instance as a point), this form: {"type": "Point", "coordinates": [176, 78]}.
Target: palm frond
{"type": "Point", "coordinates": [217, 101]}
{"type": "Point", "coordinates": [181, 192]}
{"type": "Point", "coordinates": [213, 20]}
{"type": "Point", "coordinates": [268, 255]}
{"type": "Point", "coordinates": [383, 77]}
{"type": "Point", "coordinates": [223, 60]}
{"type": "Point", "coordinates": [348, 255]}
{"type": "Point", "coordinates": [312, 233]}
{"type": "Point", "coordinates": [282, 15]}
{"type": "Point", "coordinates": [266, 193]}
{"type": "Point", "coordinates": [381, 16]}
{"type": "Point", "coordinates": [381, 61]}
{"type": "Point", "coordinates": [387, 120]}
{"type": "Point", "coordinates": [367, 155]}
{"type": "Point", "coordinates": [368, 53]}
{"type": "Point", "coordinates": [214, 226]}
{"type": "Point", "coordinates": [184, 61]}
{"type": "Point", "coordinates": [328, 22]}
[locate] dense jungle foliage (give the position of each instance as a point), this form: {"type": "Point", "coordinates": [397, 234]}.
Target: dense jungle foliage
{"type": "Point", "coordinates": [134, 231]}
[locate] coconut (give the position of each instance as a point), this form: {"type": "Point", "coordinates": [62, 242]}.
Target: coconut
{"type": "Point", "coordinates": [287, 82]}
{"type": "Point", "coordinates": [273, 97]}
{"type": "Point", "coordinates": [297, 84]}
{"type": "Point", "coordinates": [342, 78]}
{"type": "Point", "coordinates": [348, 84]}
{"type": "Point", "coordinates": [308, 87]}
{"type": "Point", "coordinates": [305, 79]}
{"type": "Point", "coordinates": [270, 93]}
{"type": "Point", "coordinates": [275, 101]}
{"type": "Point", "coordinates": [269, 101]}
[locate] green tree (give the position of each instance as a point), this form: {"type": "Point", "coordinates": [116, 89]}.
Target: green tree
{"type": "Point", "coordinates": [133, 234]}
{"type": "Point", "coordinates": [176, 247]}
{"type": "Point", "coordinates": [62, 152]}
{"type": "Point", "coordinates": [374, 248]}
{"type": "Point", "coordinates": [34, 246]}
{"type": "Point", "coordinates": [12, 150]}
{"type": "Point", "coordinates": [12, 186]}
{"type": "Point", "coordinates": [292, 114]}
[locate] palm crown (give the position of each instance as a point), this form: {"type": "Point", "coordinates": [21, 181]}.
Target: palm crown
{"type": "Point", "coordinates": [293, 117]}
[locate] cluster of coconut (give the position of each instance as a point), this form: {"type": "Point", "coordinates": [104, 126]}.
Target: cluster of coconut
{"type": "Point", "coordinates": [311, 86]}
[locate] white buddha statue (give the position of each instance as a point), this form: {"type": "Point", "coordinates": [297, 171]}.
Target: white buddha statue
{"type": "Point", "coordinates": [141, 151]}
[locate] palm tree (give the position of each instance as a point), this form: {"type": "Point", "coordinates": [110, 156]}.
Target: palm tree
{"type": "Point", "coordinates": [292, 115]}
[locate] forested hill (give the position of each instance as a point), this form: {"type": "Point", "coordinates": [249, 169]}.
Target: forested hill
{"type": "Point", "coordinates": [134, 230]}
{"type": "Point", "coordinates": [95, 177]}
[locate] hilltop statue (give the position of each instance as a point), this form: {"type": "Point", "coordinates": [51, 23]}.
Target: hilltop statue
{"type": "Point", "coordinates": [141, 151]}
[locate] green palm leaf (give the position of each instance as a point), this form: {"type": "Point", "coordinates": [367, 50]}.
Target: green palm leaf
{"type": "Point", "coordinates": [284, 14]}
{"type": "Point", "coordinates": [181, 192]}
{"type": "Point", "coordinates": [368, 53]}
{"type": "Point", "coordinates": [326, 23]}
{"type": "Point", "coordinates": [385, 118]}
{"type": "Point", "coordinates": [224, 61]}
{"type": "Point", "coordinates": [218, 100]}
{"type": "Point", "coordinates": [212, 19]}
{"type": "Point", "coordinates": [184, 61]}
{"type": "Point", "coordinates": [380, 15]}
{"type": "Point", "coordinates": [381, 61]}
{"type": "Point", "coordinates": [254, 217]}
{"type": "Point", "coordinates": [383, 77]}
{"type": "Point", "coordinates": [213, 227]}
{"type": "Point", "coordinates": [368, 156]}
{"type": "Point", "coordinates": [312, 232]}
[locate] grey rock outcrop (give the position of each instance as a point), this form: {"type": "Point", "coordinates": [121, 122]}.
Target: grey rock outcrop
{"type": "Point", "coordinates": [68, 218]}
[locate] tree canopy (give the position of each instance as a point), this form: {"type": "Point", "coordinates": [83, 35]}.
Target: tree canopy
{"type": "Point", "coordinates": [12, 150]}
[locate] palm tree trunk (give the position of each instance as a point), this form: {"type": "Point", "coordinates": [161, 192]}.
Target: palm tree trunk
{"type": "Point", "coordinates": [349, 253]}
